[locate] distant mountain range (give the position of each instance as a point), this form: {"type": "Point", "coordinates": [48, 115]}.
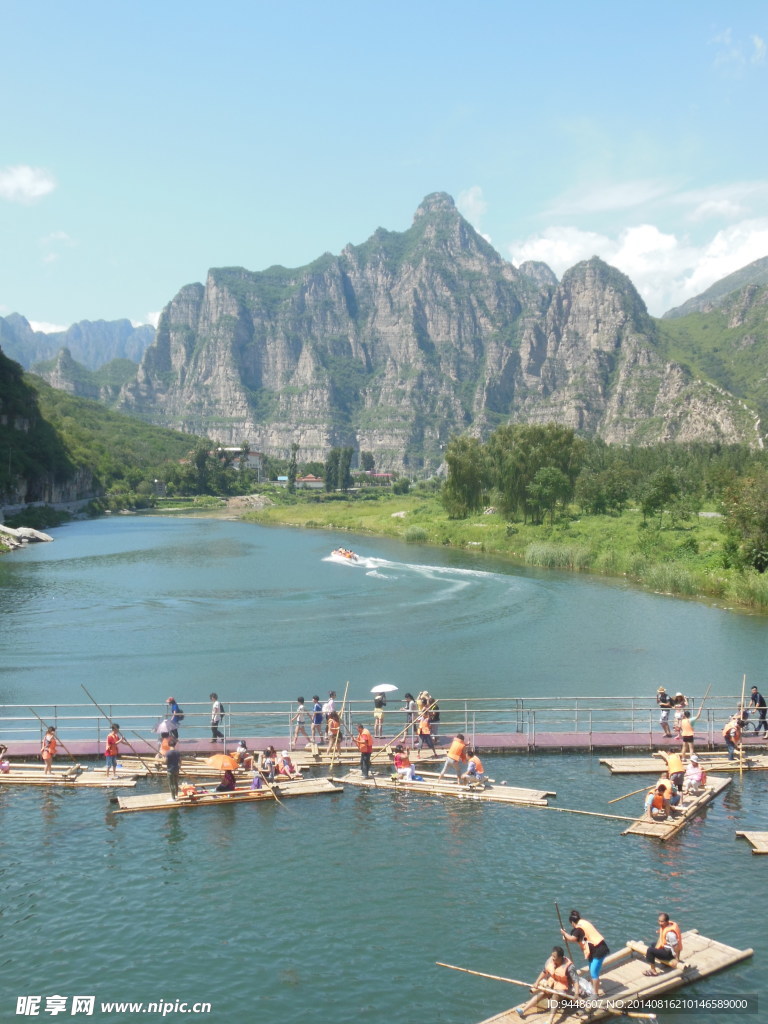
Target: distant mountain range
{"type": "Point", "coordinates": [397, 344]}
{"type": "Point", "coordinates": [90, 342]}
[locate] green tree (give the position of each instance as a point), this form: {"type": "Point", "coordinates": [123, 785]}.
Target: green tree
{"type": "Point", "coordinates": [344, 481]}
{"type": "Point", "coordinates": [464, 488]}
{"type": "Point", "coordinates": [367, 462]}
{"type": "Point", "coordinates": [746, 519]}
{"type": "Point", "coordinates": [332, 469]}
{"type": "Point", "coordinates": [661, 489]}
{"type": "Point", "coordinates": [292, 468]}
{"type": "Point", "coordinates": [548, 487]}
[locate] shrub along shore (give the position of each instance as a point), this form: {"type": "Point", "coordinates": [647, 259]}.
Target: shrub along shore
{"type": "Point", "coordinates": [686, 559]}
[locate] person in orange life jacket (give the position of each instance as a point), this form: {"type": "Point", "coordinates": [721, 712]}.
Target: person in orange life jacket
{"type": "Point", "coordinates": [456, 755]}
{"type": "Point", "coordinates": [732, 735]}
{"type": "Point", "coordinates": [592, 943]}
{"type": "Point", "coordinates": [475, 771]}
{"type": "Point", "coordinates": [557, 973]}
{"type": "Point", "coordinates": [686, 732]}
{"type": "Point", "coordinates": [424, 730]}
{"type": "Point", "coordinates": [669, 945]}
{"type": "Point", "coordinates": [364, 743]}
{"type": "Point", "coordinates": [662, 799]}
{"type": "Point", "coordinates": [334, 731]}
{"type": "Point", "coordinates": [675, 767]}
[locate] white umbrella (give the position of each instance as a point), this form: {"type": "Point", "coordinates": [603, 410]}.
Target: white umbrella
{"type": "Point", "coordinates": [383, 688]}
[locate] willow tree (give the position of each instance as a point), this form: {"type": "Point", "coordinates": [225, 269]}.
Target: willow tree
{"type": "Point", "coordinates": [464, 488]}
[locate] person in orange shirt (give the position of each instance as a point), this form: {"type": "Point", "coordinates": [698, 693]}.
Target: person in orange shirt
{"type": "Point", "coordinates": [48, 749]}
{"type": "Point", "coordinates": [364, 743]}
{"type": "Point", "coordinates": [334, 731]}
{"type": "Point", "coordinates": [456, 755]}
{"type": "Point", "coordinates": [111, 749]}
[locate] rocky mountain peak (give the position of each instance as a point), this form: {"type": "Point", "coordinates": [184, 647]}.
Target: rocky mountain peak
{"type": "Point", "coordinates": [436, 203]}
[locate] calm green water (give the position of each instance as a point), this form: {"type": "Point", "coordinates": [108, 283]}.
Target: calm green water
{"type": "Point", "coordinates": [334, 909]}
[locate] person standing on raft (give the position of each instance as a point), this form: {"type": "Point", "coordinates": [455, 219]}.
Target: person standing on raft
{"type": "Point", "coordinates": [592, 943]}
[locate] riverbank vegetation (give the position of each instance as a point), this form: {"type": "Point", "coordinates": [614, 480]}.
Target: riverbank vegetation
{"type": "Point", "coordinates": [686, 520]}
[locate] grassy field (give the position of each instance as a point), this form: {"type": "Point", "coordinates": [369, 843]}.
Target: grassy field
{"type": "Point", "coordinates": [686, 560]}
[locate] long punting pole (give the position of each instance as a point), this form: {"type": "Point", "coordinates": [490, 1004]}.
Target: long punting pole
{"type": "Point", "coordinates": [402, 732]}
{"type": "Point", "coordinates": [633, 793]}
{"type": "Point", "coordinates": [560, 921]}
{"type": "Point", "coordinates": [541, 988]}
{"type": "Point", "coordinates": [337, 746]}
{"type": "Point", "coordinates": [61, 741]}
{"type": "Point", "coordinates": [741, 712]}
{"type": "Point", "coordinates": [130, 745]}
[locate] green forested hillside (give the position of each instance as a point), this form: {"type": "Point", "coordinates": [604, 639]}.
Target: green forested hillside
{"type": "Point", "coordinates": [48, 435]}
{"type": "Point", "coordinates": [727, 346]}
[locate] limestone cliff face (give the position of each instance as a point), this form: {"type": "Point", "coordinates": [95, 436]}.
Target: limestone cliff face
{"type": "Point", "coordinates": [397, 344]}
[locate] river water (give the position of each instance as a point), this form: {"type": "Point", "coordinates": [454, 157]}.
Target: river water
{"type": "Point", "coordinates": [335, 909]}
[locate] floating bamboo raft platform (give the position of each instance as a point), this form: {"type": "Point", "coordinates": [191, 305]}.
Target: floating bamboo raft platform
{"type": "Point", "coordinates": [74, 778]}
{"type": "Point", "coordinates": [432, 787]}
{"type": "Point", "coordinates": [711, 762]}
{"type": "Point", "coordinates": [209, 798]}
{"type": "Point", "coordinates": [622, 976]}
{"type": "Point", "coordinates": [191, 768]}
{"type": "Point", "coordinates": [758, 840]}
{"type": "Point", "coordinates": [665, 830]}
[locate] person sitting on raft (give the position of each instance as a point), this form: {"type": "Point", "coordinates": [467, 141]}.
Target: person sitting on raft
{"type": "Point", "coordinates": [475, 772]}
{"type": "Point", "coordinates": [285, 767]}
{"type": "Point", "coordinates": [228, 782]}
{"type": "Point", "coordinates": [403, 767]}
{"type": "Point", "coordinates": [669, 946]}
{"type": "Point", "coordinates": [694, 777]}
{"type": "Point", "coordinates": [558, 975]}
{"type": "Point", "coordinates": [661, 800]}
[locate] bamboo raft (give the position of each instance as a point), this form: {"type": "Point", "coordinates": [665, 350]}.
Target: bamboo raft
{"type": "Point", "coordinates": [447, 787]}
{"type": "Point", "coordinates": [670, 827]}
{"type": "Point", "coordinates": [210, 798]}
{"type": "Point", "coordinates": [711, 762]}
{"type": "Point", "coordinates": [191, 768]}
{"type": "Point", "coordinates": [758, 840]}
{"type": "Point", "coordinates": [74, 777]}
{"type": "Point", "coordinates": [622, 977]}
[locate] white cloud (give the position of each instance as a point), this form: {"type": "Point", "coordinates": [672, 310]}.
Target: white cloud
{"type": "Point", "coordinates": [733, 57]}
{"type": "Point", "coordinates": [626, 195]}
{"type": "Point", "coordinates": [39, 325]}
{"type": "Point", "coordinates": [24, 184]}
{"type": "Point", "coordinates": [149, 318]}
{"type": "Point", "coordinates": [665, 268]}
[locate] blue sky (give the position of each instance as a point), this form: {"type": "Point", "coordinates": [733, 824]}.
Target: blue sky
{"type": "Point", "coordinates": [143, 142]}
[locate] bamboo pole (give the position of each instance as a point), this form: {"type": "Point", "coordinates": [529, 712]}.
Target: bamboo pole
{"type": "Point", "coordinates": [633, 793]}
{"type": "Point", "coordinates": [101, 709]}
{"type": "Point", "coordinates": [337, 747]}
{"type": "Point", "coordinates": [542, 988]}
{"type": "Point", "coordinates": [560, 922]}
